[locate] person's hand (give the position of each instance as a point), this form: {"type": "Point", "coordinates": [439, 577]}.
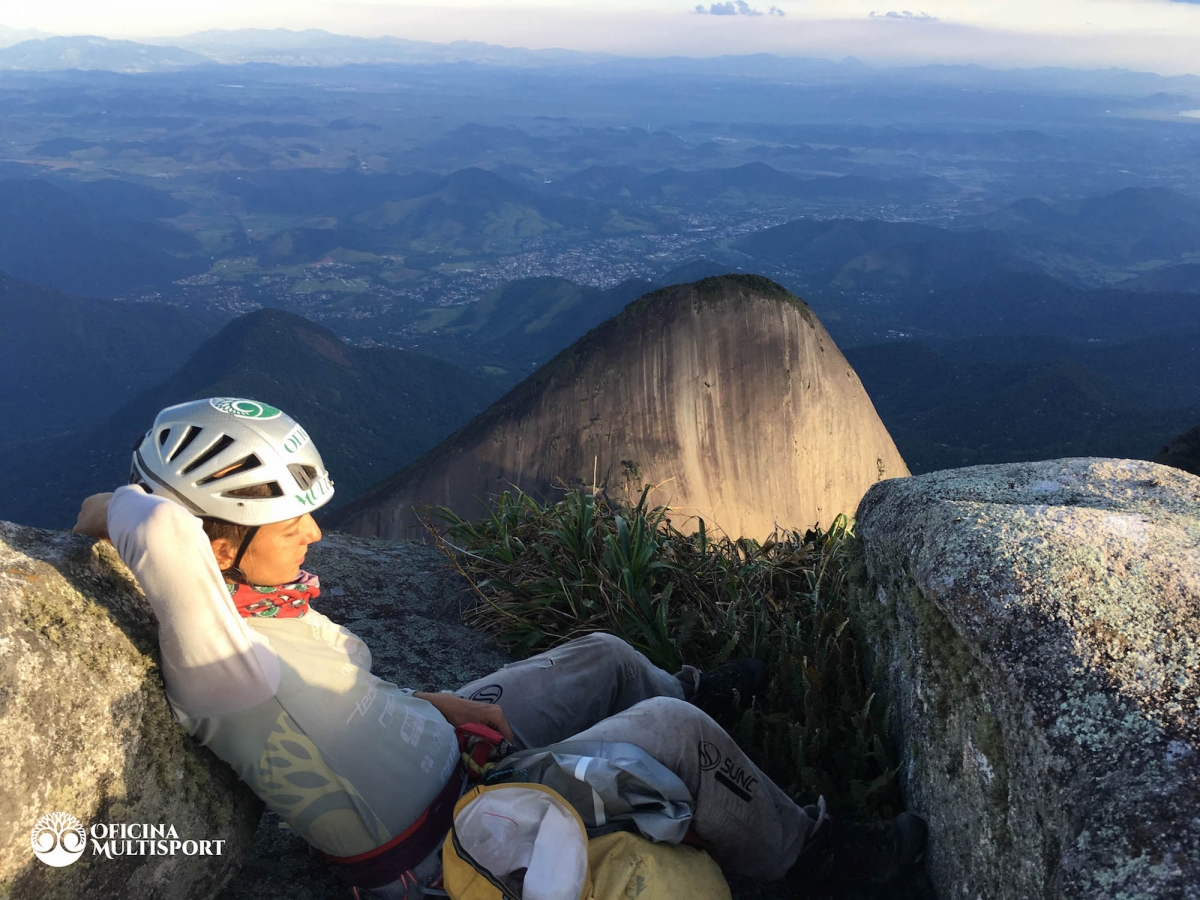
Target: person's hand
{"type": "Point", "coordinates": [460, 712]}
{"type": "Point", "coordinates": [93, 517]}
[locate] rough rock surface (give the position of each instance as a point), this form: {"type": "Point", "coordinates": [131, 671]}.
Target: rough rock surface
{"type": "Point", "coordinates": [728, 393]}
{"type": "Point", "coordinates": [1038, 627]}
{"type": "Point", "coordinates": [85, 729]}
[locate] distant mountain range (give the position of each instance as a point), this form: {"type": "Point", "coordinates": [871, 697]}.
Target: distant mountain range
{"type": "Point", "coordinates": [369, 411]}
{"type": "Point", "coordinates": [59, 53]}
{"type": "Point", "coordinates": [314, 47]}
{"type": "Point", "coordinates": [36, 51]}
{"type": "Point", "coordinates": [10, 36]}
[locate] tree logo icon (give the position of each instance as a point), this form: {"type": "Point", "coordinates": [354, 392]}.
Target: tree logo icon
{"type": "Point", "coordinates": [58, 839]}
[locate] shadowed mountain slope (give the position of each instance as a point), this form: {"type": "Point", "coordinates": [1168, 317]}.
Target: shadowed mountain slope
{"type": "Point", "coordinates": [1183, 452]}
{"type": "Point", "coordinates": [1056, 399]}
{"type": "Point", "coordinates": [369, 410]}
{"type": "Point", "coordinates": [68, 362]}
{"type": "Point", "coordinates": [1125, 226]}
{"type": "Point", "coordinates": [1185, 278]}
{"type": "Point", "coordinates": [522, 323]}
{"type": "Point", "coordinates": [872, 255]}
{"type": "Point", "coordinates": [727, 393]}
{"type": "Point", "coordinates": [70, 241]}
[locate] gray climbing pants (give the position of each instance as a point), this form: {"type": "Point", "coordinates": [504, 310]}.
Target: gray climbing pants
{"type": "Point", "coordinates": [599, 688]}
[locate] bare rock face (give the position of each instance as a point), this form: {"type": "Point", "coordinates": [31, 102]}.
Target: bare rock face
{"type": "Point", "coordinates": [1038, 629]}
{"type": "Point", "coordinates": [85, 729]}
{"type": "Point", "coordinates": [727, 393]}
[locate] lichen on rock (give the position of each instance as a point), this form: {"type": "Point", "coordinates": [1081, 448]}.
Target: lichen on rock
{"type": "Point", "coordinates": [1037, 628]}
{"type": "Point", "coordinates": [85, 729]}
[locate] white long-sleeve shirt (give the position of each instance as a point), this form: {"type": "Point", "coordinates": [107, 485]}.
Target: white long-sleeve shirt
{"type": "Point", "coordinates": [345, 758]}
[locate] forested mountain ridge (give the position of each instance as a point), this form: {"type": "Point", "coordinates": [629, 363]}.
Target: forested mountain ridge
{"type": "Point", "coordinates": [67, 362]}
{"type": "Point", "coordinates": [369, 411]}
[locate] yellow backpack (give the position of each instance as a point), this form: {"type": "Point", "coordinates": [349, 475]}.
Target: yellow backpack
{"type": "Point", "coordinates": [523, 841]}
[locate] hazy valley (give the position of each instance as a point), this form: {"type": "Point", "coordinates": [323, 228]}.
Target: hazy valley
{"type": "Point", "coordinates": [1008, 259]}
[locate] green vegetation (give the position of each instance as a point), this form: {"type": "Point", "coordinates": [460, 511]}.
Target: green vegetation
{"type": "Point", "coordinates": [550, 572]}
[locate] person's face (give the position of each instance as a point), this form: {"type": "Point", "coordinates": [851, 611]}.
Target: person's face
{"type": "Point", "coordinates": [276, 552]}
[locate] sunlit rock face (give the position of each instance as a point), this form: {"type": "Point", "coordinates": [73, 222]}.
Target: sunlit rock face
{"type": "Point", "coordinates": [85, 730]}
{"type": "Point", "coordinates": [726, 393]}
{"type": "Point", "coordinates": [1037, 629]}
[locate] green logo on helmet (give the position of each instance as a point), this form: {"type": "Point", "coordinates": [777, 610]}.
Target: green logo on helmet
{"type": "Point", "coordinates": [246, 409]}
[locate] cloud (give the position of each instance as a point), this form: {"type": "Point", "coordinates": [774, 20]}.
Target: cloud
{"type": "Point", "coordinates": [737, 8]}
{"type": "Point", "coordinates": [926, 17]}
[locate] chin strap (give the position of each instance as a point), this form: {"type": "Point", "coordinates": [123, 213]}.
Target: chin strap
{"type": "Point", "coordinates": [235, 570]}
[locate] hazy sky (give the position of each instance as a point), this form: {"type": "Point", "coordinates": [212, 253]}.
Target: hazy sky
{"type": "Point", "coordinates": [1157, 35]}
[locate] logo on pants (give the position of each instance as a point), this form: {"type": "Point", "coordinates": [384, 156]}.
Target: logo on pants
{"type": "Point", "coordinates": [710, 756]}
{"type": "Point", "coordinates": [489, 693]}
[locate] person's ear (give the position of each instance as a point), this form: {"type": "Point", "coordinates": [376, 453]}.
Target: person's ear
{"type": "Point", "coordinates": [225, 552]}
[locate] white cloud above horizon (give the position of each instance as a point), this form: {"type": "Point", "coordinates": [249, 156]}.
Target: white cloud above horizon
{"type": "Point", "coordinates": [1153, 35]}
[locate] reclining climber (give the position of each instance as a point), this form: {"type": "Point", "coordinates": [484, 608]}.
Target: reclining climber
{"type": "Point", "coordinates": [215, 525]}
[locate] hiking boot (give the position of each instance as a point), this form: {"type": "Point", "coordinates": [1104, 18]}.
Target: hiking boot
{"type": "Point", "coordinates": [844, 853]}
{"type": "Point", "coordinates": [746, 676]}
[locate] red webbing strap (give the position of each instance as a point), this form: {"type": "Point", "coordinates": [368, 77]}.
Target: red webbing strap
{"type": "Point", "coordinates": [389, 862]}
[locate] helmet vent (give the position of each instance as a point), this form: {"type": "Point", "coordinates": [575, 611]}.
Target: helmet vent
{"type": "Point", "coordinates": [243, 465]}
{"type": "Point", "coordinates": [304, 475]}
{"type": "Point", "coordinates": [255, 492]}
{"type": "Point", "coordinates": [192, 432]}
{"type": "Point", "coordinates": [224, 441]}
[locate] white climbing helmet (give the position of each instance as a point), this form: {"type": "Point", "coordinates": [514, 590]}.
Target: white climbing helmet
{"type": "Point", "coordinates": [197, 453]}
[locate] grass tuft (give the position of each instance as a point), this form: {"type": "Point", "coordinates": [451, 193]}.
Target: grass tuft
{"type": "Point", "coordinates": [549, 572]}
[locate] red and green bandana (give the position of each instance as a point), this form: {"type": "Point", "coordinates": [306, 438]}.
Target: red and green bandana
{"type": "Point", "coordinates": [282, 601]}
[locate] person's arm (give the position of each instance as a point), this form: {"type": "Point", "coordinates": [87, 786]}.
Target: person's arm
{"type": "Point", "coordinates": [212, 662]}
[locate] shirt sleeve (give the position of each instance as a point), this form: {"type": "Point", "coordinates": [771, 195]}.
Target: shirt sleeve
{"type": "Point", "coordinates": [212, 662]}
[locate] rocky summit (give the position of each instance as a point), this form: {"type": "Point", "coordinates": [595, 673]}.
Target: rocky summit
{"type": "Point", "coordinates": [727, 393]}
{"type": "Point", "coordinates": [1037, 627]}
